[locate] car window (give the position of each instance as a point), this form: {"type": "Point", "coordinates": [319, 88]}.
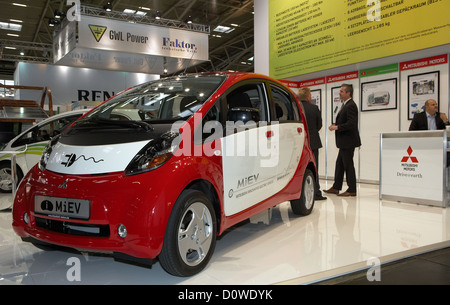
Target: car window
{"type": "Point", "coordinates": [251, 96]}
{"type": "Point", "coordinates": [286, 108]}
{"type": "Point", "coordinates": [45, 132]}
{"type": "Point", "coordinates": [169, 99]}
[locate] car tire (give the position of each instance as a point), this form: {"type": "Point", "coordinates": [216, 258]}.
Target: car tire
{"type": "Point", "coordinates": [5, 177]}
{"type": "Point", "coordinates": [305, 204]}
{"type": "Point", "coordinates": [190, 236]}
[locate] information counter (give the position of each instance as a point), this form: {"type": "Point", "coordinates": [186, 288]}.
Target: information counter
{"type": "Point", "coordinates": [413, 167]}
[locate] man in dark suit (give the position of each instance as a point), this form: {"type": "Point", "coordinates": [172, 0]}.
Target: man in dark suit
{"type": "Point", "coordinates": [430, 119]}
{"type": "Point", "coordinates": [314, 123]}
{"type": "Point", "coordinates": [347, 139]}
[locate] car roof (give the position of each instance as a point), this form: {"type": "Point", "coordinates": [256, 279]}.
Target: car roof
{"type": "Point", "coordinates": [60, 115]}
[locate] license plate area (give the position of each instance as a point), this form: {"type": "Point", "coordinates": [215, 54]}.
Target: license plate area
{"type": "Point", "coordinates": [65, 208]}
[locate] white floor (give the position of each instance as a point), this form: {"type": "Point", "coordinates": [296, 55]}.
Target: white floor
{"type": "Point", "coordinates": [340, 236]}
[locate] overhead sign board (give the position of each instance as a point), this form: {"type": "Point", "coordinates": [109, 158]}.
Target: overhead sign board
{"type": "Point", "coordinates": [119, 45]}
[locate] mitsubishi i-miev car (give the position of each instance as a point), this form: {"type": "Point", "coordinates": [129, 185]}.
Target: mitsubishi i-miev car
{"type": "Point", "coordinates": [204, 152]}
{"type": "Point", "coordinates": [34, 139]}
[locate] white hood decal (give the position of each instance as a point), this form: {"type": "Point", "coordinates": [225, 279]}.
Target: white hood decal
{"type": "Point", "coordinates": [81, 160]}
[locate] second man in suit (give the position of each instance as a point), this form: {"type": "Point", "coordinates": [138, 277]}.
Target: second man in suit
{"type": "Point", "coordinates": [430, 119]}
{"type": "Point", "coordinates": [347, 139]}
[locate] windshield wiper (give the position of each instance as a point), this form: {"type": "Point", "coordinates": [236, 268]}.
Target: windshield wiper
{"type": "Point", "coordinates": [99, 120]}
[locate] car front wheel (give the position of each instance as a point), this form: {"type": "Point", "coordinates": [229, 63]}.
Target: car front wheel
{"type": "Point", "coordinates": [190, 236]}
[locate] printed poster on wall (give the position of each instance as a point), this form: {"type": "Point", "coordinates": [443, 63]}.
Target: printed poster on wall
{"type": "Point", "coordinates": [314, 35]}
{"type": "Point", "coordinates": [422, 87]}
{"type": "Point", "coordinates": [379, 95]}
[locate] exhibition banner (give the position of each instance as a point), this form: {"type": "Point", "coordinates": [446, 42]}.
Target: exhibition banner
{"type": "Point", "coordinates": [304, 83]}
{"type": "Point", "coordinates": [342, 77]}
{"type": "Point", "coordinates": [379, 70]}
{"type": "Point", "coordinates": [424, 62]}
{"type": "Point", "coordinates": [126, 37]}
{"type": "Point", "coordinates": [315, 35]}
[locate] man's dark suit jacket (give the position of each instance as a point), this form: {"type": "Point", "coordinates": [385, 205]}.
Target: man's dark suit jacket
{"type": "Point", "coordinates": [314, 123]}
{"type": "Point", "coordinates": [347, 135]}
{"type": "Point", "coordinates": [420, 122]}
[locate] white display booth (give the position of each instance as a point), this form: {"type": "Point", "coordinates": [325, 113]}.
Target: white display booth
{"type": "Point", "coordinates": [413, 167]}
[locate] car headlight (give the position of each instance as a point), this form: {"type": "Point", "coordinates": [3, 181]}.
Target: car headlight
{"type": "Point", "coordinates": [154, 154]}
{"type": "Point", "coordinates": [46, 153]}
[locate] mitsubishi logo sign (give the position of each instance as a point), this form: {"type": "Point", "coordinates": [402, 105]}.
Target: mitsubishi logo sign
{"type": "Point", "coordinates": [409, 167]}
{"type": "Point", "coordinates": [413, 159]}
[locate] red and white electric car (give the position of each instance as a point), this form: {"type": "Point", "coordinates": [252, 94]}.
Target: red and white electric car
{"type": "Point", "coordinates": [199, 154]}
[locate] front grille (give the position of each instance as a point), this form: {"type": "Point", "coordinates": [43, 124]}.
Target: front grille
{"type": "Point", "coordinates": [72, 228]}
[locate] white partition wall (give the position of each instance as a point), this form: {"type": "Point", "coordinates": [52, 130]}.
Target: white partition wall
{"type": "Point", "coordinates": [375, 120]}
{"type": "Point", "coordinates": [70, 84]}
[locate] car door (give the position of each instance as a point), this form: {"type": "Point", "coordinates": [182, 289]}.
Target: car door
{"type": "Point", "coordinates": [247, 148]}
{"type": "Point", "coordinates": [286, 117]}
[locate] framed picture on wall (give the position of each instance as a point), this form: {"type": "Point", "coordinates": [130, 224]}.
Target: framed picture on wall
{"type": "Point", "coordinates": [379, 95]}
{"type": "Point", "coordinates": [335, 103]}
{"type": "Point", "coordinates": [316, 98]}
{"type": "Point", "coordinates": [422, 87]}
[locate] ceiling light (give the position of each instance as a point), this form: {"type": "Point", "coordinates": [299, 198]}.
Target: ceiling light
{"type": "Point", "coordinates": [53, 22]}
{"type": "Point", "coordinates": [128, 11]}
{"type": "Point", "coordinates": [158, 15]}
{"type": "Point", "coordinates": [19, 4]}
{"type": "Point", "coordinates": [14, 35]}
{"type": "Point", "coordinates": [10, 26]}
{"type": "Point", "coordinates": [16, 20]}
{"type": "Point", "coordinates": [59, 14]}
{"type": "Point", "coordinates": [139, 13]}
{"type": "Point", "coordinates": [189, 19]}
{"type": "Point", "coordinates": [144, 8]}
{"type": "Point", "coordinates": [223, 29]}
{"type": "Point", "coordinates": [108, 7]}
{"type": "Point", "coordinates": [22, 52]}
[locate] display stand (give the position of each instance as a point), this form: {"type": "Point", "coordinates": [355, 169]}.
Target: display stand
{"type": "Point", "coordinates": [413, 167]}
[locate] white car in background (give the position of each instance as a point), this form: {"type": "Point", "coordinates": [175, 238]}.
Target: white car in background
{"type": "Point", "coordinates": [35, 138]}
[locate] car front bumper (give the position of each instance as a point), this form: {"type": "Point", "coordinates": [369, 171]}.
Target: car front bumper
{"type": "Point", "coordinates": [115, 200]}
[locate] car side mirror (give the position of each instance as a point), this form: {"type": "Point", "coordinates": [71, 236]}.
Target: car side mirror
{"type": "Point", "coordinates": [244, 114]}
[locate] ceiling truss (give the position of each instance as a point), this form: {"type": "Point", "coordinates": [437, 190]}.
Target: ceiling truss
{"type": "Point", "coordinates": [230, 52]}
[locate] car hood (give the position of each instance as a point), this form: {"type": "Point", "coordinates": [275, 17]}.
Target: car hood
{"type": "Point", "coordinates": [104, 149]}
{"type": "Point", "coordinates": [85, 160]}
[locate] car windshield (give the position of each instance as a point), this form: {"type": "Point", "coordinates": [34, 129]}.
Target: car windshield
{"type": "Point", "coordinates": [168, 99]}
